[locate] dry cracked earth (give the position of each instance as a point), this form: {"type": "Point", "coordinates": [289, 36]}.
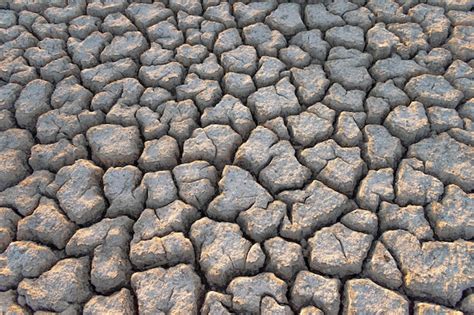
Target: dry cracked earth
{"type": "Point", "coordinates": [188, 157]}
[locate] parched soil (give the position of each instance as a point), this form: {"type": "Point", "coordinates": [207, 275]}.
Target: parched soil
{"type": "Point", "coordinates": [237, 157]}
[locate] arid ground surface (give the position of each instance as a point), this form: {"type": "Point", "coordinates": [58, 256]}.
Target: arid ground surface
{"type": "Point", "coordinates": [187, 157]}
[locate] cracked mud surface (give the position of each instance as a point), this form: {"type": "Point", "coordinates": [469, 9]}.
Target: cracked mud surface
{"type": "Point", "coordinates": [241, 157]}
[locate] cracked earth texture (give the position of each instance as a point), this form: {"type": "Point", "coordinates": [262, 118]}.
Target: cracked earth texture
{"type": "Point", "coordinates": [240, 157]}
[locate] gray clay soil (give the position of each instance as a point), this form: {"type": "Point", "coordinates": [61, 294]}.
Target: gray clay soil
{"type": "Point", "coordinates": [240, 157]}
